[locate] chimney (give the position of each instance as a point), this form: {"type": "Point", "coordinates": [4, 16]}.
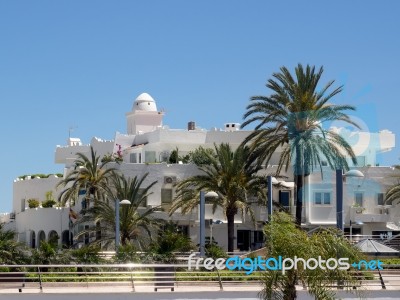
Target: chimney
{"type": "Point", "coordinates": [191, 125]}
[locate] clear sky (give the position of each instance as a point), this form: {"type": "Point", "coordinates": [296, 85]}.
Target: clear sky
{"type": "Point", "coordinates": [81, 64]}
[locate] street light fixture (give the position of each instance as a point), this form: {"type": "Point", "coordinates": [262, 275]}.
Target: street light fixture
{"type": "Point", "coordinates": [212, 222]}
{"type": "Point", "coordinates": [351, 228]}
{"type": "Point", "coordinates": [203, 196]}
{"type": "Point", "coordinates": [117, 204]}
{"type": "Point", "coordinates": [339, 193]}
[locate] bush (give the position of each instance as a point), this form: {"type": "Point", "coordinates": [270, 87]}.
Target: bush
{"type": "Point", "coordinates": [33, 203]}
{"type": "Point", "coordinates": [48, 203]}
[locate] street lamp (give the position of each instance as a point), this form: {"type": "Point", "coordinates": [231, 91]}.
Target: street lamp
{"type": "Point", "coordinates": [339, 193]}
{"type": "Point", "coordinates": [117, 204]}
{"type": "Point", "coordinates": [203, 196]}
{"type": "Point", "coordinates": [351, 228]}
{"type": "Point", "coordinates": [212, 222]}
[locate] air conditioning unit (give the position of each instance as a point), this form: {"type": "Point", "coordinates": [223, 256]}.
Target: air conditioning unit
{"type": "Point", "coordinates": [169, 179]}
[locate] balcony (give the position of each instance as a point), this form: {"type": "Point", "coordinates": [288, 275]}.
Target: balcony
{"type": "Point", "coordinates": [370, 215]}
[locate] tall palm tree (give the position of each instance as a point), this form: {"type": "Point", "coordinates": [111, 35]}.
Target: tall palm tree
{"type": "Point", "coordinates": [290, 121]}
{"type": "Point", "coordinates": [89, 175]}
{"type": "Point", "coordinates": [231, 177]}
{"type": "Point", "coordinates": [133, 221]}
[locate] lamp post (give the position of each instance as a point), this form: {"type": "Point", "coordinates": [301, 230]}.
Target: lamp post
{"type": "Point", "coordinates": [117, 204]}
{"type": "Point", "coordinates": [203, 197]}
{"type": "Point", "coordinates": [269, 194]}
{"type": "Point", "coordinates": [351, 228]}
{"type": "Point", "coordinates": [339, 193]}
{"type": "Point", "coordinates": [212, 222]}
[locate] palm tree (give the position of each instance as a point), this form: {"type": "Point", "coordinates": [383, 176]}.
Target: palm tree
{"type": "Point", "coordinates": [285, 239]}
{"type": "Point", "coordinates": [133, 221]}
{"type": "Point", "coordinates": [231, 177]}
{"type": "Point", "coordinates": [90, 176]}
{"type": "Point", "coordinates": [393, 192]}
{"type": "Point", "coordinates": [290, 121]}
{"type": "Point", "coordinates": [11, 251]}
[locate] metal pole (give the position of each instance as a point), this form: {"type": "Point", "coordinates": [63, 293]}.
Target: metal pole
{"type": "Point", "coordinates": [339, 199]}
{"type": "Point", "coordinates": [202, 223]}
{"type": "Point", "coordinates": [351, 232]}
{"type": "Point", "coordinates": [269, 194]}
{"type": "Point", "coordinates": [116, 225]}
{"type": "Point", "coordinates": [211, 231]}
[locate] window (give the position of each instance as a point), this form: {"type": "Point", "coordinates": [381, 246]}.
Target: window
{"type": "Point", "coordinates": [132, 158]}
{"type": "Point", "coordinates": [322, 198]}
{"type": "Point", "coordinates": [358, 199]}
{"type": "Point", "coordinates": [284, 198]}
{"type": "Point", "coordinates": [380, 198]}
{"type": "Point", "coordinates": [166, 198]}
{"type": "Point", "coordinates": [324, 163]}
{"type": "Point", "coordinates": [150, 156]}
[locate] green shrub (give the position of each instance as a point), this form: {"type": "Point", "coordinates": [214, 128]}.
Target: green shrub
{"type": "Point", "coordinates": [33, 203]}
{"type": "Point", "coordinates": [48, 203]}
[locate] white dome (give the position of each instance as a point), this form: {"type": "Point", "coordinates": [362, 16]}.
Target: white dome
{"type": "Point", "coordinates": [144, 102]}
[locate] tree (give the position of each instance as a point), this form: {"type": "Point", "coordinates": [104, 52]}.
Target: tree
{"type": "Point", "coordinates": [393, 192]}
{"type": "Point", "coordinates": [290, 121]}
{"type": "Point", "coordinates": [89, 176]}
{"type": "Point", "coordinates": [11, 252]}
{"type": "Point", "coordinates": [285, 239]}
{"type": "Point", "coordinates": [169, 241]}
{"type": "Point", "coordinates": [133, 222]}
{"type": "Point", "coordinates": [232, 177]}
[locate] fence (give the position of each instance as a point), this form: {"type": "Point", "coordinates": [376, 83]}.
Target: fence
{"type": "Point", "coordinates": [153, 277]}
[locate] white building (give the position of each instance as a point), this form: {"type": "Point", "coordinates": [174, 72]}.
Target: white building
{"type": "Point", "coordinates": [146, 147]}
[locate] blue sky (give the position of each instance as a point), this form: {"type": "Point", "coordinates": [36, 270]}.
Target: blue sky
{"type": "Point", "coordinates": [82, 63]}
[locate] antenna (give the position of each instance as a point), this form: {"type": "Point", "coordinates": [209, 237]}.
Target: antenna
{"type": "Point", "coordinates": [70, 129]}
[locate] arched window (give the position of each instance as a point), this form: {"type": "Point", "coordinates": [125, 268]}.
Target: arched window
{"type": "Point", "coordinates": [33, 239]}
{"type": "Point", "coordinates": [66, 242]}
{"type": "Point", "coordinates": [42, 237]}
{"type": "Point", "coordinates": [53, 237]}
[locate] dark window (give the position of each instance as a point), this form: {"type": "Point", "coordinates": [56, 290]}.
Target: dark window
{"type": "Point", "coordinates": [284, 198]}
{"type": "Point", "coordinates": [381, 199]}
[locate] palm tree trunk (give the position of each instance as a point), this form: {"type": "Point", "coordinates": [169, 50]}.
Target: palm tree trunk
{"type": "Point", "coordinates": [299, 198]}
{"type": "Point", "coordinates": [231, 231]}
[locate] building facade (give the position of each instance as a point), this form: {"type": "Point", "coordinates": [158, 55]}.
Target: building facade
{"type": "Point", "coordinates": [146, 147]}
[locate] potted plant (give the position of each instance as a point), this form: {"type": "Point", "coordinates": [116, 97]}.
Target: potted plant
{"type": "Point", "coordinates": [33, 203]}
{"type": "Point", "coordinates": [358, 208]}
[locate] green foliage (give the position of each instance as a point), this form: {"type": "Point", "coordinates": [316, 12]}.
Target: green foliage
{"type": "Point", "coordinates": [90, 176]}
{"type": "Point", "coordinates": [11, 252]}
{"type": "Point", "coordinates": [128, 253]}
{"type": "Point", "coordinates": [33, 203]}
{"type": "Point", "coordinates": [215, 251]}
{"type": "Point", "coordinates": [233, 177]}
{"type": "Point", "coordinates": [290, 122]}
{"type": "Point", "coordinates": [174, 157]}
{"type": "Point", "coordinates": [285, 239]}
{"type": "Point", "coordinates": [169, 241]}
{"type": "Point", "coordinates": [136, 221]}
{"type": "Point", "coordinates": [88, 254]}
{"type": "Point", "coordinates": [48, 253]}
{"type": "Point", "coordinates": [202, 156]}
{"type": "Point", "coordinates": [48, 203]}
{"type": "Point", "coordinates": [39, 175]}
